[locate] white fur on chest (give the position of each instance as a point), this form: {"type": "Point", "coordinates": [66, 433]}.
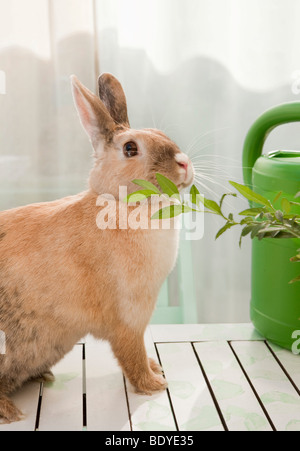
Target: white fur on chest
{"type": "Point", "coordinates": [158, 250]}
{"type": "Point", "coordinates": [153, 257]}
{"type": "Point", "coordinates": [157, 246]}
{"type": "Point", "coordinates": [164, 245]}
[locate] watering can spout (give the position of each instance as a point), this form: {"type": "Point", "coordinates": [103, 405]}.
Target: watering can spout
{"type": "Point", "coordinates": [258, 133]}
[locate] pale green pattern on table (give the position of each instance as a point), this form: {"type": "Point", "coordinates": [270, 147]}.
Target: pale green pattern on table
{"type": "Point", "coordinates": [272, 385]}
{"type": "Point", "coordinates": [202, 419]}
{"type": "Point", "coordinates": [62, 399]}
{"type": "Point", "coordinates": [115, 407]}
{"type": "Point", "coordinates": [226, 390]}
{"type": "Point", "coordinates": [293, 425]}
{"type": "Point", "coordinates": [262, 373]}
{"type": "Point", "coordinates": [191, 400]}
{"type": "Point", "coordinates": [290, 361]}
{"type": "Point", "coordinates": [150, 412]}
{"type": "Point", "coordinates": [157, 411]}
{"type": "Point", "coordinates": [61, 380]}
{"type": "Point", "coordinates": [240, 407]}
{"type": "Point", "coordinates": [182, 389]}
{"type": "Point", "coordinates": [155, 415]}
{"type": "Point", "coordinates": [285, 398]}
{"type": "Point", "coordinates": [251, 420]}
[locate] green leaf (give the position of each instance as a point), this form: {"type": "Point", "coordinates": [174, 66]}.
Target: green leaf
{"type": "Point", "coordinates": [286, 206]}
{"type": "Point", "coordinates": [227, 226]}
{"type": "Point", "coordinates": [255, 230]}
{"type": "Point", "coordinates": [269, 216]}
{"type": "Point", "coordinates": [210, 205]}
{"type": "Point", "coordinates": [187, 209]}
{"type": "Point", "coordinates": [167, 186]}
{"type": "Point", "coordinates": [138, 196]}
{"type": "Point", "coordinates": [277, 197]}
{"type": "Point", "coordinates": [147, 185]}
{"type": "Point", "coordinates": [252, 211]}
{"type": "Point", "coordinates": [260, 216]}
{"type": "Point", "coordinates": [279, 215]}
{"type": "Point", "coordinates": [246, 230]}
{"type": "Point", "coordinates": [240, 242]}
{"type": "Point", "coordinates": [297, 279]}
{"type": "Point", "coordinates": [247, 220]}
{"type": "Point", "coordinates": [296, 258]}
{"type": "Point", "coordinates": [252, 196]}
{"type": "Point", "coordinates": [194, 193]}
{"type": "Point", "coordinates": [171, 211]}
{"type": "Point", "coordinates": [223, 198]}
{"type": "Point", "coordinates": [274, 232]}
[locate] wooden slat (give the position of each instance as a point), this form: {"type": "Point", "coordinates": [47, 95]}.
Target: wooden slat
{"type": "Point", "coordinates": [26, 399]}
{"type": "Point", "coordinates": [154, 412]}
{"type": "Point", "coordinates": [203, 332]}
{"type": "Point", "coordinates": [289, 361]}
{"type": "Point", "coordinates": [245, 384]}
{"type": "Point", "coordinates": [238, 403]}
{"type": "Point", "coordinates": [62, 403]}
{"type": "Point", "coordinates": [278, 395]}
{"type": "Point", "coordinates": [106, 398]}
{"type": "Point", "coordinates": [193, 405]}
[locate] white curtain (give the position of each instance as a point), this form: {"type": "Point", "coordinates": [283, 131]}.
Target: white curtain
{"type": "Point", "coordinates": [201, 70]}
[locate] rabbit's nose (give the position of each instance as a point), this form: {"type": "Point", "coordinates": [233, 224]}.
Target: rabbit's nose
{"type": "Point", "coordinates": [183, 164]}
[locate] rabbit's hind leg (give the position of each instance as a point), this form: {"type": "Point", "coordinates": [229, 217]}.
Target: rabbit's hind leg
{"type": "Point", "coordinates": [9, 413]}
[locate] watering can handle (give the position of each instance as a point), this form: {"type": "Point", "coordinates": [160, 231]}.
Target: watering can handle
{"type": "Point", "coordinates": [260, 130]}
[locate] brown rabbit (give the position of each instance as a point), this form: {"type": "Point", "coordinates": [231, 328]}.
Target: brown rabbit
{"type": "Point", "coordinates": [62, 277]}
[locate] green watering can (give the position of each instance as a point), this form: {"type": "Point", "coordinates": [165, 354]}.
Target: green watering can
{"type": "Point", "coordinates": [275, 303]}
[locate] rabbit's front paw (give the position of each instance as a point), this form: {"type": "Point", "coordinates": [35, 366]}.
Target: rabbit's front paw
{"type": "Point", "coordinates": [152, 384]}
{"type": "Point", "coordinates": [155, 367]}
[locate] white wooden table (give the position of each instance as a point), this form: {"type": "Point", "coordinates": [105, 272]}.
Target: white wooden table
{"type": "Point", "coordinates": [221, 377]}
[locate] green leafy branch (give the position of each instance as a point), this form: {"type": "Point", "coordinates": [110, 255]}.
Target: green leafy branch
{"type": "Point", "coordinates": [259, 221]}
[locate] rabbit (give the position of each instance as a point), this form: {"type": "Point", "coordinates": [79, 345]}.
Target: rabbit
{"type": "Point", "coordinates": [62, 277]}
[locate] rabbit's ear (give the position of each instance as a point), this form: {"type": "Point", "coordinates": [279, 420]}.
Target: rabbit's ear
{"type": "Point", "coordinates": [93, 114]}
{"type": "Point", "coordinates": [112, 95]}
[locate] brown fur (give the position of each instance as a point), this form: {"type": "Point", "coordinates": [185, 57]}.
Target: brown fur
{"type": "Point", "coordinates": [112, 95]}
{"type": "Point", "coordinates": [61, 277]}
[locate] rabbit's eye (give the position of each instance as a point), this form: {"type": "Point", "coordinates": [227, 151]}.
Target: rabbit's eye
{"type": "Point", "coordinates": [130, 149]}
